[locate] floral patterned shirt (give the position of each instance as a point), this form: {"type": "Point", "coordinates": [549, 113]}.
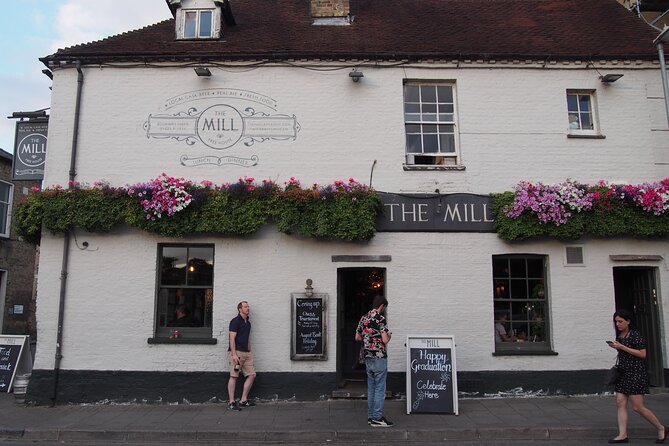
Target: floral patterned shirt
{"type": "Point", "coordinates": [370, 327]}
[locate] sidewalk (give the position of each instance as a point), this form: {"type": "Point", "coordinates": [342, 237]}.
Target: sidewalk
{"type": "Point", "coordinates": [504, 419]}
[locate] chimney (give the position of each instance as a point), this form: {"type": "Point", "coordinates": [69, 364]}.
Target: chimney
{"type": "Point", "coordinates": [330, 8]}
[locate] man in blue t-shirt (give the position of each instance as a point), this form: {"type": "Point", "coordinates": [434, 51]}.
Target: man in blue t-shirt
{"type": "Point", "coordinates": [240, 357]}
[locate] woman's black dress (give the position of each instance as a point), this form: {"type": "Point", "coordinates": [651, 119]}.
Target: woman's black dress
{"type": "Point", "coordinates": [634, 376]}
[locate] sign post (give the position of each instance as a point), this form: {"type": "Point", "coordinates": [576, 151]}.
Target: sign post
{"type": "Point", "coordinates": [431, 375]}
{"type": "Point", "coordinates": [14, 358]}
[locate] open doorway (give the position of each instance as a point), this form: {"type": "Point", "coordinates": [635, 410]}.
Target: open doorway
{"type": "Point", "coordinates": [356, 287]}
{"type": "Point", "coordinates": [636, 291]}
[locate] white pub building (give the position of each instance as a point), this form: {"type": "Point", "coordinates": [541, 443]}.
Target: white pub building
{"type": "Point", "coordinates": [437, 105]}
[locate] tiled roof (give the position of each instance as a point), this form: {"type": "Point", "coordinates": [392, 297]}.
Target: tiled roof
{"type": "Point", "coordinates": [397, 29]}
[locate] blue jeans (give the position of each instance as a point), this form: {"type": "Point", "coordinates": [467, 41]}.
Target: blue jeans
{"type": "Point", "coordinates": [377, 370]}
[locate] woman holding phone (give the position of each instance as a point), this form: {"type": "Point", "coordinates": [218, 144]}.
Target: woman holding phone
{"type": "Point", "coordinates": [633, 381]}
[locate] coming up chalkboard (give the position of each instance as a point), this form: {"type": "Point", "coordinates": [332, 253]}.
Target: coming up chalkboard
{"type": "Point", "coordinates": [14, 357]}
{"type": "Point", "coordinates": [309, 327]}
{"type": "Point", "coordinates": [431, 375]}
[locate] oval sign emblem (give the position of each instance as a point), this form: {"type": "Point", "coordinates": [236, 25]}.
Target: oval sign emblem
{"type": "Point", "coordinates": [32, 150]}
{"type": "Point", "coordinates": [220, 126]}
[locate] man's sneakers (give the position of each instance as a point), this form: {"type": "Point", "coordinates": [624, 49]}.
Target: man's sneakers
{"type": "Point", "coordinates": [381, 422]}
{"type": "Point", "coordinates": [247, 403]}
{"type": "Point", "coordinates": [234, 406]}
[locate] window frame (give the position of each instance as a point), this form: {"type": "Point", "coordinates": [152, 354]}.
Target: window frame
{"type": "Point", "coordinates": [161, 310]}
{"type": "Point", "coordinates": [6, 209]}
{"type": "Point", "coordinates": [449, 160]}
{"type": "Point", "coordinates": [198, 24]}
{"type": "Point", "coordinates": [594, 115]}
{"type": "Point", "coordinates": [527, 347]}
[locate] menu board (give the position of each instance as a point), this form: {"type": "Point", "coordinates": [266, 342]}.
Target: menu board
{"type": "Point", "coordinates": [309, 326]}
{"type": "Point", "coordinates": [431, 375]}
{"type": "Point", "coordinates": [13, 356]}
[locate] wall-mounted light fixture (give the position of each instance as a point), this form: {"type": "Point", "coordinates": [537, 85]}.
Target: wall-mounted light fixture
{"type": "Point", "coordinates": [309, 290]}
{"type": "Point", "coordinates": [202, 71]}
{"type": "Point", "coordinates": [608, 78]}
{"type": "Point", "coordinates": [356, 75]}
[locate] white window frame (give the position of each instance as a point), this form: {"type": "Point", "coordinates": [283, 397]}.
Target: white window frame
{"type": "Point", "coordinates": [574, 117]}
{"type": "Point", "coordinates": [6, 209]}
{"type": "Point", "coordinates": [214, 30]}
{"type": "Point", "coordinates": [445, 159]}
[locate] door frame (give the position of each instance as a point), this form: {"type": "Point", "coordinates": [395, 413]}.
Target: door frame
{"type": "Point", "coordinates": [647, 313]}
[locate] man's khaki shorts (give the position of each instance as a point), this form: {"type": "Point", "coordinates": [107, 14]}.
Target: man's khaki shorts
{"type": "Point", "coordinates": [245, 360]}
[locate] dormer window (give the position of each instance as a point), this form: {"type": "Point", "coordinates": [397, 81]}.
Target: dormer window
{"type": "Point", "coordinates": [201, 19]}
{"type": "Point", "coordinates": [198, 23]}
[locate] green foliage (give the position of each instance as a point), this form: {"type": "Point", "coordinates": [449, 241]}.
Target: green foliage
{"type": "Point", "coordinates": [348, 215]}
{"type": "Point", "coordinates": [606, 219]}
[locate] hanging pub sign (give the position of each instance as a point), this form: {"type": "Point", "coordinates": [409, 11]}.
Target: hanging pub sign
{"type": "Point", "coordinates": [30, 149]}
{"type": "Point", "coordinates": [309, 326]}
{"type": "Point", "coordinates": [435, 213]}
{"type": "Point", "coordinates": [431, 377]}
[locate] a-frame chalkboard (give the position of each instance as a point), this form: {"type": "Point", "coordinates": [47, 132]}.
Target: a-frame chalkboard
{"type": "Point", "coordinates": [14, 359]}
{"type": "Point", "coordinates": [432, 385]}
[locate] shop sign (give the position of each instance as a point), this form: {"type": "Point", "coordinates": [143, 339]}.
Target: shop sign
{"type": "Point", "coordinates": [30, 150]}
{"type": "Point", "coordinates": [435, 213]}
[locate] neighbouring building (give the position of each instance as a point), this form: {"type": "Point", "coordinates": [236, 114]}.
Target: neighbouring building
{"type": "Point", "coordinates": [435, 103]}
{"type": "Point", "coordinates": [17, 258]}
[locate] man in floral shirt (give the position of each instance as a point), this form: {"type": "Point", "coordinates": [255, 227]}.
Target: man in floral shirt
{"type": "Point", "coordinates": [374, 333]}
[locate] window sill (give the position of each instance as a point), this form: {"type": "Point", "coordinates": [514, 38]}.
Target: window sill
{"type": "Point", "coordinates": [582, 136]}
{"type": "Point", "coordinates": [524, 353]}
{"type": "Point", "coordinates": [210, 341]}
{"type": "Point", "coordinates": [409, 167]}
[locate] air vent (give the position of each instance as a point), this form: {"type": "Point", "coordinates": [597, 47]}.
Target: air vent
{"type": "Point", "coordinates": [573, 255]}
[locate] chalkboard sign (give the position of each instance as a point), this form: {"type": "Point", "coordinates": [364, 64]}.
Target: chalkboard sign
{"type": "Point", "coordinates": [309, 316]}
{"type": "Point", "coordinates": [13, 357]}
{"type": "Point", "coordinates": [431, 375]}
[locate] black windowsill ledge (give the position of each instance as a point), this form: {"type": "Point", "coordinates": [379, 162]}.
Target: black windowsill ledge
{"type": "Point", "coordinates": [525, 353]}
{"type": "Point", "coordinates": [210, 341]}
{"type": "Point", "coordinates": [580, 136]}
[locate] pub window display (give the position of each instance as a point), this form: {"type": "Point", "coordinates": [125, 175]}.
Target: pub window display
{"type": "Point", "coordinates": [185, 291]}
{"type": "Point", "coordinates": [520, 302]}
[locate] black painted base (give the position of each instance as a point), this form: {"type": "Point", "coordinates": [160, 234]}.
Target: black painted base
{"type": "Point", "coordinates": [86, 386]}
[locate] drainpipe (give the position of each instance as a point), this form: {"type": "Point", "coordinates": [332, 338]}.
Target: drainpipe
{"type": "Point", "coordinates": [66, 238]}
{"type": "Point", "coordinates": [665, 82]}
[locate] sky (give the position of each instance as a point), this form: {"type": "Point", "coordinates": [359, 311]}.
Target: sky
{"type": "Point", "coordinates": [30, 29]}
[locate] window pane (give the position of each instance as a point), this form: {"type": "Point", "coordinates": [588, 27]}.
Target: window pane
{"type": "Point", "coordinates": [5, 192]}
{"type": "Point", "coordinates": [518, 268]}
{"type": "Point", "coordinates": [535, 267]}
{"type": "Point", "coordinates": [445, 108]}
{"type": "Point", "coordinates": [173, 265]}
{"type": "Point", "coordinates": [190, 23]}
{"type": "Point", "coordinates": [428, 93]}
{"type": "Point", "coordinates": [200, 266]}
{"type": "Point", "coordinates": [414, 144]}
{"type": "Point", "coordinates": [447, 143]}
{"type": "Point", "coordinates": [188, 307]}
{"type": "Point", "coordinates": [572, 105]}
{"type": "Point", "coordinates": [584, 103]}
{"type": "Point", "coordinates": [574, 123]}
{"type": "Point", "coordinates": [205, 24]}
{"type": "Point", "coordinates": [445, 93]}
{"type": "Point", "coordinates": [518, 289]}
{"type": "Point", "coordinates": [586, 122]}
{"type": "Point", "coordinates": [501, 289]}
{"type": "Point", "coordinates": [445, 118]}
{"type": "Point", "coordinates": [411, 93]}
{"type": "Point", "coordinates": [412, 117]}
{"type": "Point", "coordinates": [412, 128]}
{"type": "Point", "coordinates": [411, 108]}
{"type": "Point", "coordinates": [3, 218]}
{"type": "Point", "coordinates": [429, 108]}
{"type": "Point", "coordinates": [430, 143]}
{"type": "Point", "coordinates": [429, 129]}
{"type": "Point", "coordinates": [500, 267]}
{"type": "Point", "coordinates": [537, 290]}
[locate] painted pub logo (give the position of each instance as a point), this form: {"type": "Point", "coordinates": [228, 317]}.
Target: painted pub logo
{"type": "Point", "coordinates": [246, 118]}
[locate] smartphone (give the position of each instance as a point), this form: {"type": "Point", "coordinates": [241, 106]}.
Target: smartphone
{"type": "Point", "coordinates": [609, 342]}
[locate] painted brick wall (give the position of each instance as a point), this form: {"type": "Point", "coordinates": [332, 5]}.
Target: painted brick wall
{"type": "Point", "coordinates": [512, 125]}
